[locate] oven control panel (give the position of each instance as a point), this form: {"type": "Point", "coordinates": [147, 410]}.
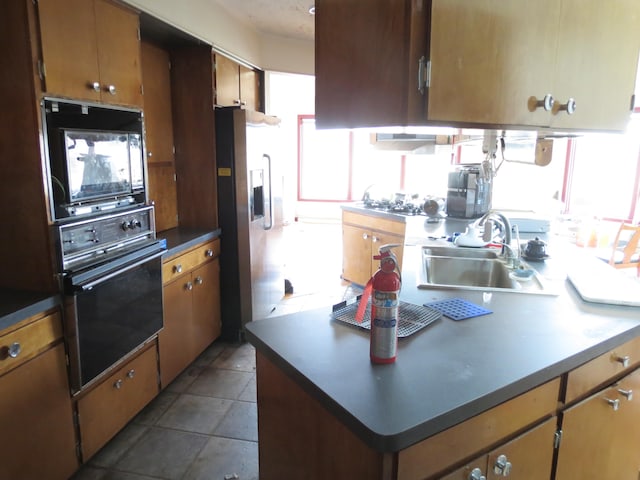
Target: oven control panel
{"type": "Point", "coordinates": [104, 236]}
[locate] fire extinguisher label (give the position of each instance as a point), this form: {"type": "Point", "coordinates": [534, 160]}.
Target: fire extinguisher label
{"type": "Point", "coordinates": [384, 328]}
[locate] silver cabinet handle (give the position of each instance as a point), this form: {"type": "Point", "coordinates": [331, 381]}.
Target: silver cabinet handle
{"type": "Point", "coordinates": [198, 280]}
{"type": "Point", "coordinates": [375, 239]}
{"type": "Point", "coordinates": [615, 404]}
{"type": "Point", "coordinates": [14, 350]}
{"type": "Point", "coordinates": [502, 466]}
{"type": "Point", "coordinates": [476, 474]}
{"type": "Point", "coordinates": [188, 286]}
{"type": "Point", "coordinates": [177, 268]}
{"type": "Point", "coordinates": [208, 253]}
{"type": "Point", "coordinates": [628, 394]}
{"type": "Point", "coordinates": [547, 102]}
{"type": "Point", "coordinates": [237, 101]}
{"type": "Point", "coordinates": [118, 384]}
{"type": "Point", "coordinates": [365, 236]}
{"type": "Point", "coordinates": [569, 107]}
{"type": "Point", "coordinates": [131, 373]}
{"type": "Point", "coordinates": [95, 86]}
{"type": "Point", "coordinates": [111, 89]}
{"type": "Point", "coordinates": [624, 361]}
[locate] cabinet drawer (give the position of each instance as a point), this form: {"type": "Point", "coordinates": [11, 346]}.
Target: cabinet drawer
{"type": "Point", "coordinates": [107, 408]}
{"type": "Point", "coordinates": [29, 340]}
{"type": "Point", "coordinates": [374, 223]}
{"type": "Point", "coordinates": [434, 454]}
{"type": "Point", "coordinates": [602, 369]}
{"type": "Point", "coordinates": [176, 266]}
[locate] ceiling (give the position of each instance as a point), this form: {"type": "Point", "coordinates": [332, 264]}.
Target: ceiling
{"type": "Point", "coordinates": [285, 18]}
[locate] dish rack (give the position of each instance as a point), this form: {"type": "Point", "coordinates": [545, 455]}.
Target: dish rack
{"type": "Point", "coordinates": [412, 318]}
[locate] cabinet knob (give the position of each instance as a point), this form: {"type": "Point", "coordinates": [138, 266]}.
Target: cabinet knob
{"type": "Point", "coordinates": [476, 474]}
{"type": "Point", "coordinates": [149, 154]}
{"type": "Point", "coordinates": [208, 253]}
{"type": "Point", "coordinates": [188, 286]}
{"type": "Point", "coordinates": [624, 361]}
{"type": "Point", "coordinates": [111, 89]}
{"type": "Point", "coordinates": [615, 404]}
{"type": "Point", "coordinates": [198, 280]}
{"type": "Point", "coordinates": [628, 394]}
{"type": "Point", "coordinates": [502, 466]}
{"type": "Point", "coordinates": [14, 350]}
{"type": "Point", "coordinates": [95, 86]}
{"type": "Point", "coordinates": [131, 373]}
{"type": "Point", "coordinates": [375, 239]}
{"type": "Point", "coordinates": [237, 101]}
{"type": "Point", "coordinates": [569, 107]}
{"type": "Point", "coordinates": [118, 384]}
{"type": "Point", "coordinates": [365, 236]}
{"type": "Point", "coordinates": [177, 268]}
{"type": "Point", "coordinates": [547, 103]}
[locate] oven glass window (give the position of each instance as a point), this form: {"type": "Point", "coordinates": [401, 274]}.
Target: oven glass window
{"type": "Point", "coordinates": [116, 316]}
{"type": "Point", "coordinates": [99, 163]}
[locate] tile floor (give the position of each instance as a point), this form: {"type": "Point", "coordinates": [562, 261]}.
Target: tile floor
{"type": "Point", "coordinates": [204, 424]}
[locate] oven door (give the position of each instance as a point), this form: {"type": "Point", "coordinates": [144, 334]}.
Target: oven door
{"type": "Point", "coordinates": [112, 313]}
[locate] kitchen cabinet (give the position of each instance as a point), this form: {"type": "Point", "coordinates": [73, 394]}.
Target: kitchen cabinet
{"type": "Point", "coordinates": [367, 61]}
{"type": "Point", "coordinates": [236, 85]}
{"type": "Point", "coordinates": [90, 51]}
{"type": "Point", "coordinates": [362, 236]}
{"type": "Point", "coordinates": [156, 75]}
{"type": "Point", "coordinates": [289, 418]}
{"type": "Point", "coordinates": [191, 307]}
{"type": "Point", "coordinates": [489, 63]}
{"type": "Point", "coordinates": [527, 457]}
{"type": "Point", "coordinates": [106, 409]}
{"type": "Point", "coordinates": [600, 435]}
{"type": "Point", "coordinates": [36, 413]}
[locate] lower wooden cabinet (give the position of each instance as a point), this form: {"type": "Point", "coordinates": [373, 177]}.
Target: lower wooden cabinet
{"type": "Point", "coordinates": [601, 434]}
{"type": "Point", "coordinates": [36, 415]}
{"type": "Point", "coordinates": [107, 408]}
{"type": "Point", "coordinates": [527, 457]}
{"type": "Point", "coordinates": [362, 237]}
{"type": "Point", "coordinates": [191, 308]}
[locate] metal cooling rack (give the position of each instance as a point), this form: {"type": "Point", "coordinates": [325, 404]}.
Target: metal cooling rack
{"type": "Point", "coordinates": [412, 317]}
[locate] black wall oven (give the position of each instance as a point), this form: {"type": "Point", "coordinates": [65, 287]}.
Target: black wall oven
{"type": "Point", "coordinates": [112, 282]}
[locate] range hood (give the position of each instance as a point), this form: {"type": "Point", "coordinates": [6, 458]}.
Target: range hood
{"type": "Point", "coordinates": [419, 140]}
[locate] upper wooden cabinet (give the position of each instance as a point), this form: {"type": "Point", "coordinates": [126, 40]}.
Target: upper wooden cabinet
{"type": "Point", "coordinates": [90, 51]}
{"type": "Point", "coordinates": [236, 85]}
{"type": "Point", "coordinates": [366, 62]}
{"type": "Point", "coordinates": [486, 63]}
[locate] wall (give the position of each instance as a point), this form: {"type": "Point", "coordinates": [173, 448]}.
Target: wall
{"type": "Point", "coordinates": [206, 20]}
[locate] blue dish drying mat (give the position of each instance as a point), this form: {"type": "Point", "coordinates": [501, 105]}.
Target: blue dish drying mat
{"type": "Point", "coordinates": [458, 309]}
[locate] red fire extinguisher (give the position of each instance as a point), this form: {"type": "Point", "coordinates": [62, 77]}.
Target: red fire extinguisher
{"type": "Point", "coordinates": [384, 288]}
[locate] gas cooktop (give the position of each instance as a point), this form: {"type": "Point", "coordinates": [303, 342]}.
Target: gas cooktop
{"type": "Point", "coordinates": [408, 209]}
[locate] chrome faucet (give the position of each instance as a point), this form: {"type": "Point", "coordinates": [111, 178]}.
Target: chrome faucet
{"type": "Point", "coordinates": [486, 221]}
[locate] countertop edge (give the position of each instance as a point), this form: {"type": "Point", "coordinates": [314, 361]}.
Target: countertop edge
{"type": "Point", "coordinates": [28, 308]}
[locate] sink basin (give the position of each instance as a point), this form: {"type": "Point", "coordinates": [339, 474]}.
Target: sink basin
{"type": "Point", "coordinates": [474, 269]}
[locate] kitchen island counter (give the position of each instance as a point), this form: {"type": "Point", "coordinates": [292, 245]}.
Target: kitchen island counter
{"type": "Point", "coordinates": [444, 374]}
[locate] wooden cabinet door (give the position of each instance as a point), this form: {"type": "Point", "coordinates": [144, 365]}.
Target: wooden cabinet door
{"type": "Point", "coordinates": [600, 437]}
{"type": "Point", "coordinates": [529, 457]}
{"type": "Point", "coordinates": [249, 88]}
{"type": "Point", "coordinates": [117, 32]}
{"type": "Point", "coordinates": [227, 82]}
{"type": "Point", "coordinates": [377, 240]}
{"type": "Point", "coordinates": [488, 77]}
{"type": "Point", "coordinates": [356, 254]}
{"type": "Point", "coordinates": [174, 338]}
{"type": "Point", "coordinates": [159, 135]}
{"type": "Point", "coordinates": [106, 409]}
{"type": "Point", "coordinates": [69, 46]}
{"type": "Point", "coordinates": [206, 306]}
{"type": "Point", "coordinates": [366, 62]}
{"type": "Point", "coordinates": [597, 61]}
{"type": "Point", "coordinates": [36, 419]}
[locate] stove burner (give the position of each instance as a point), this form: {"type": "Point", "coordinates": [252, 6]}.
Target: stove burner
{"type": "Point", "coordinates": [408, 209]}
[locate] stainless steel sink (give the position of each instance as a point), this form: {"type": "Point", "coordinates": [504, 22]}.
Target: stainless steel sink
{"type": "Point", "coordinates": [474, 269]}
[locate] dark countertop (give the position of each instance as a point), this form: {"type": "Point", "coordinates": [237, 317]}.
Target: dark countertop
{"type": "Point", "coordinates": [18, 305]}
{"type": "Point", "coordinates": [448, 372]}
{"type": "Point", "coordinates": [180, 239]}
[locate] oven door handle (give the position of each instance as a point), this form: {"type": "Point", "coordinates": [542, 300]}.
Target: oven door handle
{"type": "Point", "coordinates": [104, 278]}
